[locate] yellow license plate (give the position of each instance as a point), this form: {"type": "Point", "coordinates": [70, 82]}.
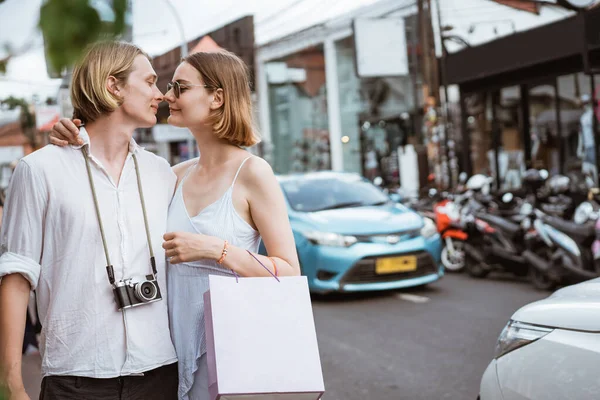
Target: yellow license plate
{"type": "Point", "coordinates": [395, 264]}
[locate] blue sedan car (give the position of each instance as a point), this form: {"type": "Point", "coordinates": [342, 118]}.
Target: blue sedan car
{"type": "Point", "coordinates": [351, 237]}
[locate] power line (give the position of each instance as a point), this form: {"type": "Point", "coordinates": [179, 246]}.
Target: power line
{"type": "Point", "coordinates": [405, 5]}
{"type": "Point", "coordinates": [286, 21]}
{"type": "Point", "coordinates": [282, 10]}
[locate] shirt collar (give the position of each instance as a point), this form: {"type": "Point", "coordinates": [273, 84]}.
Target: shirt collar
{"type": "Point", "coordinates": [84, 135]}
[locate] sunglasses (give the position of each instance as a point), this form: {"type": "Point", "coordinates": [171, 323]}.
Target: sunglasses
{"type": "Point", "coordinates": [176, 86]}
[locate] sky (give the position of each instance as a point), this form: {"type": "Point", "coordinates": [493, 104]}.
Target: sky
{"type": "Point", "coordinates": [155, 27]}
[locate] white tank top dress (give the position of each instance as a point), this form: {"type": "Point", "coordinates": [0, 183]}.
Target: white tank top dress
{"type": "Point", "coordinates": [187, 282]}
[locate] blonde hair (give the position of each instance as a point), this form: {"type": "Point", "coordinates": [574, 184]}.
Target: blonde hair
{"type": "Point", "coordinates": [224, 70]}
{"type": "Point", "coordinates": [89, 95]}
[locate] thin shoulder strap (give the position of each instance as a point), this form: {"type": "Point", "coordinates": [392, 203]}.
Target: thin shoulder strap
{"type": "Point", "coordinates": [186, 174]}
{"type": "Point", "coordinates": [239, 169]}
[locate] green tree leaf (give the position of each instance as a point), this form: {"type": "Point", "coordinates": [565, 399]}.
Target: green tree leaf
{"type": "Point", "coordinates": [120, 9]}
{"type": "Point", "coordinates": [69, 26]}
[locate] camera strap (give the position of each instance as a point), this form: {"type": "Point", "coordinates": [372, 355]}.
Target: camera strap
{"type": "Point", "coordinates": [109, 267]}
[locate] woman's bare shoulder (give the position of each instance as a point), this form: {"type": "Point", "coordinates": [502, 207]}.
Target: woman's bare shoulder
{"type": "Point", "coordinates": [257, 178]}
{"type": "Point", "coordinates": [256, 169]}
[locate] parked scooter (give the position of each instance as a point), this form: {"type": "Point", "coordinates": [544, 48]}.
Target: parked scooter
{"type": "Point", "coordinates": [561, 251]}
{"type": "Point", "coordinates": [596, 246]}
{"type": "Point", "coordinates": [495, 242]}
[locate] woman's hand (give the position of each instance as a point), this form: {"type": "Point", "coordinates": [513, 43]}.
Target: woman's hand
{"type": "Point", "coordinates": [185, 247]}
{"type": "Point", "coordinates": [66, 132]}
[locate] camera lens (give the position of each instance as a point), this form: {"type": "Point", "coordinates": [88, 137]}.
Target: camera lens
{"type": "Point", "coordinates": [146, 291]}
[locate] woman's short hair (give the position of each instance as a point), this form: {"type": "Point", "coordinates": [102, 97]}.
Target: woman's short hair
{"type": "Point", "coordinates": [224, 70]}
{"type": "Point", "coordinates": [89, 94]}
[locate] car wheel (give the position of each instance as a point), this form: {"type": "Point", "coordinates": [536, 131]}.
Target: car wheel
{"type": "Point", "coordinates": [455, 261]}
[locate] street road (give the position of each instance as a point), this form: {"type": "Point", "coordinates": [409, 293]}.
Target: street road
{"type": "Point", "coordinates": [425, 344]}
{"type": "Point", "coordinates": [428, 343]}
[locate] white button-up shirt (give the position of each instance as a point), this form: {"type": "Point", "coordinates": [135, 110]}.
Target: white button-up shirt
{"type": "Point", "coordinates": [50, 235]}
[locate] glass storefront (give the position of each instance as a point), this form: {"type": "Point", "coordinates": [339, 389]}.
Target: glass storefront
{"type": "Point", "coordinates": [545, 145]}
{"type": "Point", "coordinates": [556, 118]}
{"type": "Point", "coordinates": [299, 120]}
{"type": "Point", "coordinates": [377, 115]}
{"type": "Point", "coordinates": [511, 155]}
{"type": "Point", "coordinates": [494, 121]}
{"type": "Point", "coordinates": [479, 127]}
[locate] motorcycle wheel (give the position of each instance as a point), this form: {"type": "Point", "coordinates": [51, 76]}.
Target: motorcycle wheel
{"type": "Point", "coordinates": [540, 280]}
{"type": "Point", "coordinates": [454, 262]}
{"type": "Point", "coordinates": [474, 267]}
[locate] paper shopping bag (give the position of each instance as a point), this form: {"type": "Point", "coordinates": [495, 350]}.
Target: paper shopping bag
{"type": "Point", "coordinates": [261, 340]}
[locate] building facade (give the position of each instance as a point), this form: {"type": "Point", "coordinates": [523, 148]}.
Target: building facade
{"type": "Point", "coordinates": [528, 100]}
{"type": "Point", "coordinates": [316, 112]}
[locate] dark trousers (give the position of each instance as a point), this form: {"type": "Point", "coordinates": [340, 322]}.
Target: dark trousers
{"type": "Point", "coordinates": [158, 384]}
{"type": "Point", "coordinates": [30, 338]}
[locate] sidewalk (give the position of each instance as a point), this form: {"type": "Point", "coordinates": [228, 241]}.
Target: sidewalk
{"type": "Point", "coordinates": [32, 375]}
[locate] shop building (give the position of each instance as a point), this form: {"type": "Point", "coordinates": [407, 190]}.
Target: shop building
{"type": "Point", "coordinates": [316, 111]}
{"type": "Point", "coordinates": [526, 100]}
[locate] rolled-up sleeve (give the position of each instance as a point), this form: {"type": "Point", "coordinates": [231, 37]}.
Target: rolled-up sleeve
{"type": "Point", "coordinates": [21, 237]}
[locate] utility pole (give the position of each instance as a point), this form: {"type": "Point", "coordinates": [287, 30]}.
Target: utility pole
{"type": "Point", "coordinates": [434, 68]}
{"type": "Point", "coordinates": [431, 84]}
{"type": "Point", "coordinates": [444, 83]}
{"type": "Point", "coordinates": [420, 68]}
{"type": "Point", "coordinates": [423, 11]}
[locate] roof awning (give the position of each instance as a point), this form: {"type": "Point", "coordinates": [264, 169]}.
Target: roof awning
{"type": "Point", "coordinates": [206, 45]}
{"type": "Point", "coordinates": [519, 56]}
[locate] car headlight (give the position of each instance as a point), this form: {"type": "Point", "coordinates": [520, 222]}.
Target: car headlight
{"type": "Point", "coordinates": [429, 229]}
{"type": "Point", "coordinates": [330, 239]}
{"type": "Point", "coordinates": [518, 334]}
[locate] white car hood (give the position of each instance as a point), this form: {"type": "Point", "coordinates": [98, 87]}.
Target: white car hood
{"type": "Point", "coordinates": [575, 307]}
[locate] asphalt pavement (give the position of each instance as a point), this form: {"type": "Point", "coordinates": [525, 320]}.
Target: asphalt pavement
{"type": "Point", "coordinates": [428, 343]}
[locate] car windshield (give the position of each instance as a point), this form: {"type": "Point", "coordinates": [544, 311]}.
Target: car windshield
{"type": "Point", "coordinates": [328, 193]}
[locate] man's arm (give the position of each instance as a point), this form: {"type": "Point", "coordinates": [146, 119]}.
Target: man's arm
{"type": "Point", "coordinates": [14, 296]}
{"type": "Point", "coordinates": [21, 242]}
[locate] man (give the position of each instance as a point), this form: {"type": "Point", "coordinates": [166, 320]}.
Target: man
{"type": "Point", "coordinates": [75, 228]}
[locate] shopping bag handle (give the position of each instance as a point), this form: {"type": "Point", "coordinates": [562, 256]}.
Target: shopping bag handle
{"type": "Point", "coordinates": [268, 270]}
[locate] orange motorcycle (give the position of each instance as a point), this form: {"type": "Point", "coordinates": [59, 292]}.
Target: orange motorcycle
{"type": "Point", "coordinates": [449, 225]}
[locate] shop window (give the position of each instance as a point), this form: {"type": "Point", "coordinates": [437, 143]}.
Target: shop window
{"type": "Point", "coordinates": [511, 155]}
{"type": "Point", "coordinates": [299, 120]}
{"type": "Point", "coordinates": [545, 143]}
{"type": "Point", "coordinates": [576, 94]}
{"type": "Point", "coordinates": [377, 115]}
{"type": "Point", "coordinates": [479, 128]}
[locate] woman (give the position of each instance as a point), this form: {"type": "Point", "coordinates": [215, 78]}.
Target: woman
{"type": "Point", "coordinates": [225, 202]}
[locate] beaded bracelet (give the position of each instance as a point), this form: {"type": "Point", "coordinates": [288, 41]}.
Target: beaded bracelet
{"type": "Point", "coordinates": [223, 254]}
{"type": "Point", "coordinates": [274, 265]}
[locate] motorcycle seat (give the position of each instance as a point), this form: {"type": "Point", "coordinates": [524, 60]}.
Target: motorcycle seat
{"type": "Point", "coordinates": [503, 224]}
{"type": "Point", "coordinates": [578, 232]}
